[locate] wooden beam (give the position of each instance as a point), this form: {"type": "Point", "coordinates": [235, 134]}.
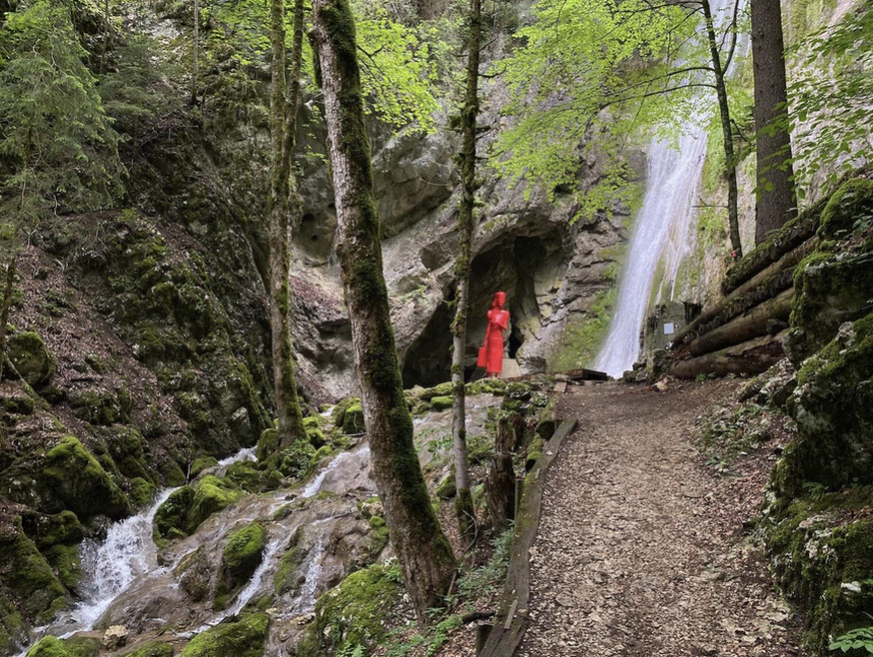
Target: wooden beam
{"type": "Point", "coordinates": [752, 357]}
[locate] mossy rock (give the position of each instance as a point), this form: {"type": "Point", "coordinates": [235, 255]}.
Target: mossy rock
{"type": "Point", "coordinates": [76, 481]}
{"type": "Point", "coordinates": [338, 414]}
{"type": "Point", "coordinates": [173, 475]}
{"type": "Point", "coordinates": [245, 638]}
{"type": "Point", "coordinates": [31, 358]}
{"type": "Point", "coordinates": [287, 579]}
{"type": "Point", "coordinates": [353, 613]}
{"type": "Point", "coordinates": [496, 387]}
{"type": "Point", "coordinates": [13, 628]}
{"type": "Point", "coordinates": [66, 562]}
{"type": "Point", "coordinates": [202, 463]}
{"type": "Point", "coordinates": [316, 437]}
{"type": "Point", "coordinates": [441, 403]}
{"type": "Point", "coordinates": [174, 512]}
{"type": "Point", "coordinates": [152, 649]}
{"type": "Point", "coordinates": [211, 495]}
{"type": "Point", "coordinates": [18, 402]}
{"type": "Point", "coordinates": [49, 530]}
{"type": "Point", "coordinates": [850, 204]}
{"type": "Point", "coordinates": [240, 557]}
{"type": "Point", "coordinates": [829, 291]}
{"type": "Point", "coordinates": [96, 406]}
{"type": "Point", "coordinates": [353, 419]}
{"type": "Point", "coordinates": [254, 477]}
{"type": "Point", "coordinates": [833, 408]}
{"type": "Point", "coordinates": [128, 450]}
{"type": "Point", "coordinates": [447, 488]}
{"type": "Point", "coordinates": [141, 491]}
{"type": "Point", "coordinates": [518, 390]}
{"type": "Point", "coordinates": [76, 647]}
{"type": "Point", "coordinates": [440, 390]}
{"type": "Point", "coordinates": [268, 444]}
{"type": "Point", "coordinates": [324, 452]}
{"type": "Point", "coordinates": [28, 575]}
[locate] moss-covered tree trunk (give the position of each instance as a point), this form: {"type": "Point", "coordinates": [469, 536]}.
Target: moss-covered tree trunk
{"type": "Point", "coordinates": [422, 549]}
{"type": "Point", "coordinates": [195, 65]}
{"type": "Point", "coordinates": [730, 160]}
{"type": "Point", "coordinates": [281, 187]}
{"type": "Point", "coordinates": [464, 510]}
{"type": "Point", "coordinates": [8, 288]}
{"type": "Point", "coordinates": [776, 201]}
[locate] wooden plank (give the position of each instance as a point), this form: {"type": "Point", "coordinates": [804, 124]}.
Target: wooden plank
{"type": "Point", "coordinates": [752, 357]}
{"type": "Point", "coordinates": [507, 635]}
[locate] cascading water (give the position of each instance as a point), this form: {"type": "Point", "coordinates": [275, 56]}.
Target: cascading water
{"type": "Point", "coordinates": [662, 233]}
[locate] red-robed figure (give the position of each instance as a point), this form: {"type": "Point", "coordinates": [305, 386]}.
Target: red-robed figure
{"type": "Point", "coordinates": [491, 353]}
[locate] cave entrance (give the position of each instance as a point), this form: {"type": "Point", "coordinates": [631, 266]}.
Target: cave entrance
{"type": "Point", "coordinates": [528, 269]}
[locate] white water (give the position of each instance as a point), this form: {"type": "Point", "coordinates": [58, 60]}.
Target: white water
{"type": "Point", "coordinates": [316, 484]}
{"type": "Point", "coordinates": [245, 454]}
{"type": "Point", "coordinates": [662, 230]}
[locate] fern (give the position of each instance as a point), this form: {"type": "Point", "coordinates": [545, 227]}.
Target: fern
{"type": "Point", "coordinates": [859, 639]}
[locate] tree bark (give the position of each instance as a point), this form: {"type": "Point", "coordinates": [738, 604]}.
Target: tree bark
{"type": "Point", "coordinates": [464, 510]}
{"type": "Point", "coordinates": [752, 357]}
{"type": "Point", "coordinates": [500, 483]}
{"type": "Point", "coordinates": [282, 114]}
{"type": "Point", "coordinates": [422, 549]}
{"type": "Point", "coordinates": [751, 324]}
{"type": "Point", "coordinates": [730, 162]}
{"type": "Point", "coordinates": [776, 202]}
{"type": "Point", "coordinates": [196, 58]}
{"type": "Point", "coordinates": [8, 288]}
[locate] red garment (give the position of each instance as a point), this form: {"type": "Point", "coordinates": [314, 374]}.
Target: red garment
{"type": "Point", "coordinates": [498, 320]}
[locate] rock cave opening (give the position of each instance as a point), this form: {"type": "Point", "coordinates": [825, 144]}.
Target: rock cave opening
{"type": "Point", "coordinates": [524, 267]}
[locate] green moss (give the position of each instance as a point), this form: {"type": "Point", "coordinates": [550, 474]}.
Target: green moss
{"type": "Point", "coordinates": [268, 444]}
{"type": "Point", "coordinates": [353, 419]}
{"type": "Point", "coordinates": [202, 463]}
{"type": "Point", "coordinates": [128, 450]}
{"type": "Point", "coordinates": [98, 407]}
{"type": "Point", "coordinates": [20, 403]}
{"type": "Point", "coordinates": [75, 479]}
{"type": "Point", "coordinates": [243, 639]}
{"type": "Point", "coordinates": [66, 562]}
{"type": "Point", "coordinates": [850, 205]}
{"type": "Point", "coordinates": [211, 495]}
{"type": "Point", "coordinates": [338, 414]}
{"type": "Point", "coordinates": [76, 647]}
{"type": "Point", "coordinates": [353, 613]}
{"type": "Point", "coordinates": [152, 649]}
{"type": "Point", "coordinates": [174, 512]}
{"type": "Point", "coordinates": [13, 628]}
{"type": "Point", "coordinates": [441, 403]}
{"type": "Point", "coordinates": [27, 573]}
{"type": "Point", "coordinates": [286, 579]}
{"type": "Point", "coordinates": [241, 555]}
{"type": "Point", "coordinates": [316, 437]}
{"type": "Point", "coordinates": [584, 333]}
{"type": "Point", "coordinates": [254, 478]}
{"type": "Point", "coordinates": [49, 530]}
{"type": "Point", "coordinates": [440, 390]}
{"type": "Point", "coordinates": [447, 488]}
{"type": "Point", "coordinates": [173, 475]}
{"type": "Point", "coordinates": [321, 454]}
{"type": "Point", "coordinates": [141, 491]}
{"type": "Point", "coordinates": [31, 358]}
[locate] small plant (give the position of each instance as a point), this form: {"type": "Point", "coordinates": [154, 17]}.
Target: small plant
{"type": "Point", "coordinates": [814, 491]}
{"type": "Point", "coordinates": [859, 639]}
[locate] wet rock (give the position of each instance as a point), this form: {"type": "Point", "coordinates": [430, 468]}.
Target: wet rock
{"type": "Point", "coordinates": [243, 639]}
{"type": "Point", "coordinates": [115, 637]}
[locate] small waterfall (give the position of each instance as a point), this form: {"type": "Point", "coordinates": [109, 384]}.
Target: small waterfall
{"type": "Point", "coordinates": [245, 454]}
{"type": "Point", "coordinates": [663, 229]}
{"type": "Point", "coordinates": [361, 455]}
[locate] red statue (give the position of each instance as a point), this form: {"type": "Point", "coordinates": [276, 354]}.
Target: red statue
{"type": "Point", "coordinates": [491, 353]}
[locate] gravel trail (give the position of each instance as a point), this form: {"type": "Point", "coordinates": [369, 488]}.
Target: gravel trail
{"type": "Point", "coordinates": [641, 550]}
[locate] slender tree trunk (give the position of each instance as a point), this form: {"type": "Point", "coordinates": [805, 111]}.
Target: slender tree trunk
{"type": "Point", "coordinates": [4, 311]}
{"type": "Point", "coordinates": [776, 200]}
{"type": "Point", "coordinates": [282, 144]}
{"type": "Point", "coordinates": [464, 510]}
{"type": "Point", "coordinates": [196, 63]}
{"type": "Point", "coordinates": [422, 549]}
{"type": "Point", "coordinates": [730, 161]}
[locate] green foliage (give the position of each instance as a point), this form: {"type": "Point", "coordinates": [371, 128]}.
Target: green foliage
{"type": "Point", "coordinates": [577, 59]}
{"type": "Point", "coordinates": [859, 639]}
{"type": "Point", "coordinates": [59, 150]}
{"type": "Point", "coordinates": [243, 639]}
{"type": "Point", "coordinates": [831, 98]}
{"type": "Point", "coordinates": [584, 333]}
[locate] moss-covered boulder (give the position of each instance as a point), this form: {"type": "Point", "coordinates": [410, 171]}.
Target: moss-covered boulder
{"type": "Point", "coordinates": [202, 463]}
{"type": "Point", "coordinates": [833, 408]}
{"type": "Point", "coordinates": [28, 575]}
{"type": "Point", "coordinates": [441, 403]}
{"type": "Point", "coordinates": [13, 628]}
{"type": "Point", "coordinates": [353, 419]}
{"type": "Point", "coordinates": [850, 205]}
{"type": "Point", "coordinates": [141, 491]}
{"type": "Point", "coordinates": [338, 414]}
{"type": "Point", "coordinates": [73, 479]}
{"type": "Point", "coordinates": [67, 563]}
{"type": "Point", "coordinates": [353, 613]}
{"type": "Point", "coordinates": [152, 649]}
{"type": "Point", "coordinates": [254, 477]}
{"type": "Point", "coordinates": [48, 530]}
{"type": "Point", "coordinates": [243, 639]}
{"type": "Point", "coordinates": [240, 557]}
{"type": "Point", "coordinates": [76, 647]}
{"type": "Point", "coordinates": [186, 508]}
{"type": "Point", "coordinates": [268, 444]}
{"type": "Point", "coordinates": [830, 289]}
{"type": "Point", "coordinates": [97, 406]}
{"type": "Point", "coordinates": [31, 358]}
{"type": "Point", "coordinates": [287, 579]}
{"type": "Point", "coordinates": [447, 488]}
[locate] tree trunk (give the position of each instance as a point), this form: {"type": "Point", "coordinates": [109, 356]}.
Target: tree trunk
{"type": "Point", "coordinates": [287, 403]}
{"type": "Point", "coordinates": [4, 311]}
{"type": "Point", "coordinates": [750, 325]}
{"type": "Point", "coordinates": [464, 510]}
{"type": "Point", "coordinates": [730, 162]}
{"type": "Point", "coordinates": [752, 357]}
{"type": "Point", "coordinates": [422, 549]}
{"type": "Point", "coordinates": [776, 202]}
{"type": "Point", "coordinates": [500, 484]}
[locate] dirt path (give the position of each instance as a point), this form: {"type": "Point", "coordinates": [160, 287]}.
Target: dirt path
{"type": "Point", "coordinates": [641, 550]}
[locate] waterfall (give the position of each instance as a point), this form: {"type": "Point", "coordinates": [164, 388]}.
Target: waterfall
{"type": "Point", "coordinates": [663, 231]}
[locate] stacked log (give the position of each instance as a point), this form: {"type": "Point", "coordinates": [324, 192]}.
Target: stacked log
{"type": "Point", "coordinates": [742, 334]}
